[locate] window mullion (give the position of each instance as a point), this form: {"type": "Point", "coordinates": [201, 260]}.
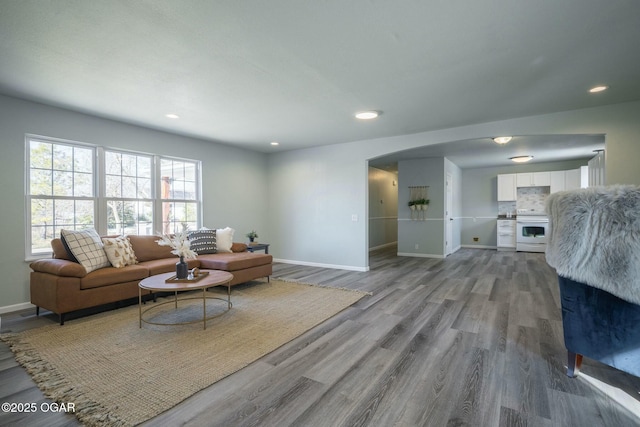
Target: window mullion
{"type": "Point", "coordinates": [99, 193]}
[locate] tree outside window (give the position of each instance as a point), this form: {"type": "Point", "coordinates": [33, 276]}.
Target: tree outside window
{"type": "Point", "coordinates": [62, 192]}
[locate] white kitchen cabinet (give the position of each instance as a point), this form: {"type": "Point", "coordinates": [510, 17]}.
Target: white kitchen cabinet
{"type": "Point", "coordinates": [558, 181]}
{"type": "Point", "coordinates": [533, 179]}
{"type": "Point", "coordinates": [584, 176]}
{"type": "Point", "coordinates": [596, 170]}
{"type": "Point", "coordinates": [506, 235]}
{"type": "Point", "coordinates": [571, 179]}
{"type": "Point", "coordinates": [507, 187]}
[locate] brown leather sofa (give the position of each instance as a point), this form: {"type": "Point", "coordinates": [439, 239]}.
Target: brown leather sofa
{"type": "Point", "coordinates": [61, 285]}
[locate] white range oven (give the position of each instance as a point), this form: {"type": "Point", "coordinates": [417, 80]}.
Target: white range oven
{"type": "Point", "coordinates": [531, 233]}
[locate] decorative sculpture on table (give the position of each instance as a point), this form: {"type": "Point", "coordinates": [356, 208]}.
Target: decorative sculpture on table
{"type": "Point", "coordinates": [181, 246]}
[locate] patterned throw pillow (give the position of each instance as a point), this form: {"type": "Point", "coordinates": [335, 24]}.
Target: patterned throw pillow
{"type": "Point", "coordinates": [119, 251]}
{"type": "Point", "coordinates": [203, 241]}
{"type": "Point", "coordinates": [86, 247]}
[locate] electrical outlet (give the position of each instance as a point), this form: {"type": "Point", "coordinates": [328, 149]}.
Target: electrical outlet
{"type": "Point", "coordinates": [475, 239]}
{"type": "Point", "coordinates": [417, 246]}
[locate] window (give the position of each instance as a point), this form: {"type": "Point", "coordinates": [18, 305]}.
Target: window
{"type": "Point", "coordinates": [129, 193]}
{"type": "Point", "coordinates": [179, 194]}
{"type": "Point", "coordinates": [61, 190]}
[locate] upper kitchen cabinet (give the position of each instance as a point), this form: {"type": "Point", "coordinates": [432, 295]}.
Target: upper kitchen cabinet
{"type": "Point", "coordinates": [533, 179]}
{"type": "Point", "coordinates": [558, 181]}
{"type": "Point", "coordinates": [507, 187]}
{"type": "Point", "coordinates": [566, 180]}
{"type": "Point", "coordinates": [572, 180]}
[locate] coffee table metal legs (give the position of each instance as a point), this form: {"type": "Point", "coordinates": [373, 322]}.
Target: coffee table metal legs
{"type": "Point", "coordinates": [175, 304]}
{"type": "Point", "coordinates": [204, 307]}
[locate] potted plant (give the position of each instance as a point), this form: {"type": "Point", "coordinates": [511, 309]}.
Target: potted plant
{"type": "Point", "coordinates": [422, 204]}
{"type": "Point", "coordinates": [252, 235]}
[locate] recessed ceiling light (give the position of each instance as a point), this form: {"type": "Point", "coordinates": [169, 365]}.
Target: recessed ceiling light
{"type": "Point", "coordinates": [598, 89]}
{"type": "Point", "coordinates": [521, 159]}
{"type": "Point", "coordinates": [367, 115]}
{"type": "Point", "coordinates": [274, 143]}
{"type": "Point", "coordinates": [502, 139]}
{"type": "Point", "coordinates": [172, 116]}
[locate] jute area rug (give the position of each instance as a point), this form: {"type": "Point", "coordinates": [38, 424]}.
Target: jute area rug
{"type": "Point", "coordinates": [118, 374]}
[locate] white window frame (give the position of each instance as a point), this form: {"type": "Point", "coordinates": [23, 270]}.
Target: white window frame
{"type": "Point", "coordinates": [197, 193]}
{"type": "Point", "coordinates": [99, 198]}
{"type": "Point", "coordinates": [104, 201]}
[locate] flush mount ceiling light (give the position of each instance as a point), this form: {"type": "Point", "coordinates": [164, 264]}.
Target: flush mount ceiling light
{"type": "Point", "coordinates": [172, 116]}
{"type": "Point", "coordinates": [597, 89]}
{"type": "Point", "coordinates": [501, 139]}
{"type": "Point", "coordinates": [521, 159]}
{"type": "Point", "coordinates": [274, 143]}
{"type": "Point", "coordinates": [367, 115]}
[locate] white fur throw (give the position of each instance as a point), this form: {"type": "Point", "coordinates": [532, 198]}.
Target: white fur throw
{"type": "Point", "coordinates": [595, 238]}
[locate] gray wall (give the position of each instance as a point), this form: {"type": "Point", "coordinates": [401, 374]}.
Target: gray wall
{"type": "Point", "coordinates": [383, 208]}
{"type": "Point", "coordinates": [427, 234]}
{"type": "Point", "coordinates": [323, 233]}
{"type": "Point", "coordinates": [302, 201]}
{"type": "Point", "coordinates": [234, 185]}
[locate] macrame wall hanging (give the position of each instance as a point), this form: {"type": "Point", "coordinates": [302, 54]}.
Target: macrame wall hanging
{"type": "Point", "coordinates": [418, 201]}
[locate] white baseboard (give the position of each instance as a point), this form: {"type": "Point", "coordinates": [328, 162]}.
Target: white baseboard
{"type": "Point", "coordinates": [16, 307]}
{"type": "Point", "coordinates": [479, 247]}
{"type": "Point", "coordinates": [386, 245]}
{"type": "Point", "coordinates": [411, 254]}
{"type": "Point", "coordinates": [317, 264]}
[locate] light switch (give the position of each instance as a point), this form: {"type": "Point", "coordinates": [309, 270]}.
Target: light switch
{"type": "Point", "coordinates": [354, 218]}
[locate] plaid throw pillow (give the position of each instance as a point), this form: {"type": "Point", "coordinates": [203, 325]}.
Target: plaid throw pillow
{"type": "Point", "coordinates": [86, 247]}
{"type": "Point", "coordinates": [203, 241]}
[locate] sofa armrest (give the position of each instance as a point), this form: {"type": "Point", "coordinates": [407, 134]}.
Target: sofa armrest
{"type": "Point", "coordinates": [59, 267]}
{"type": "Point", "coordinates": [238, 247]}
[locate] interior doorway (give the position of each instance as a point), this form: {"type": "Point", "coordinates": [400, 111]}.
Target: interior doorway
{"type": "Point", "coordinates": [448, 216]}
{"type": "Point", "coordinates": [382, 209]}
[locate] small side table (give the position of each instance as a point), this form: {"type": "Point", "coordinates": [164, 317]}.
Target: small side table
{"type": "Point", "coordinates": [251, 247]}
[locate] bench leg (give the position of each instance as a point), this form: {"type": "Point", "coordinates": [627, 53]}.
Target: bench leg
{"type": "Point", "coordinates": [37, 311]}
{"type": "Point", "coordinates": [574, 363]}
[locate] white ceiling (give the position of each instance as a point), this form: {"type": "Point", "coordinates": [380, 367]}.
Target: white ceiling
{"type": "Point", "coordinates": [250, 72]}
{"type": "Point", "coordinates": [484, 152]}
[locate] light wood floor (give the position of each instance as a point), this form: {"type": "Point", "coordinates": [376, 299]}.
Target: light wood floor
{"type": "Point", "coordinates": [471, 340]}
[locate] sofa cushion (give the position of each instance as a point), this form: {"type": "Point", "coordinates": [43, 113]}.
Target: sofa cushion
{"type": "Point", "coordinates": [233, 261]}
{"type": "Point", "coordinates": [86, 246]}
{"type": "Point", "coordinates": [146, 248]}
{"type": "Point", "coordinates": [111, 276]}
{"type": "Point", "coordinates": [59, 251]}
{"type": "Point", "coordinates": [119, 251]}
{"type": "Point", "coordinates": [203, 241]}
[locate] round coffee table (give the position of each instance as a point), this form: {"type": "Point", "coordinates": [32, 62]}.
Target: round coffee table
{"type": "Point", "coordinates": [158, 283]}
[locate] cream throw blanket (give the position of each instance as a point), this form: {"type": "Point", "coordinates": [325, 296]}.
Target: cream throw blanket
{"type": "Point", "coordinates": [595, 238]}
